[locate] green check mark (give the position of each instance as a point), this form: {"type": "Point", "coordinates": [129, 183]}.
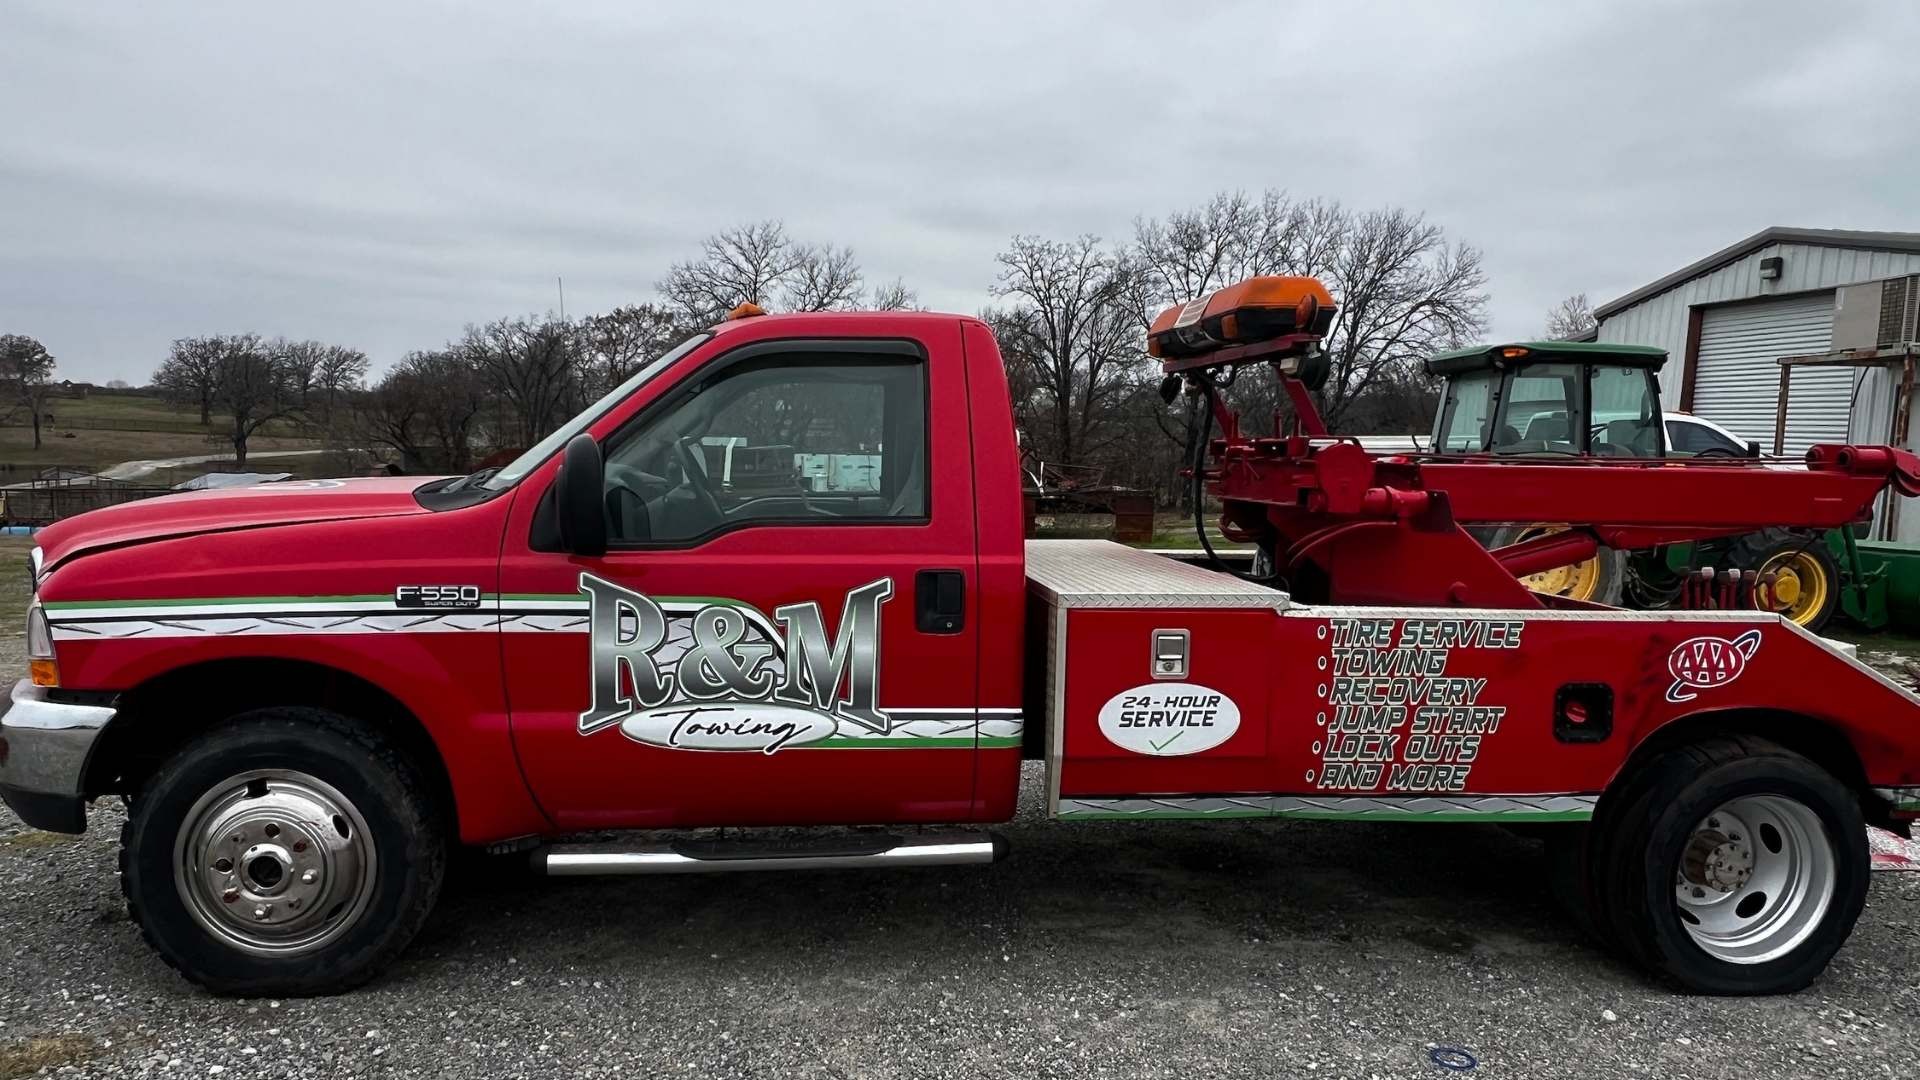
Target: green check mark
{"type": "Point", "coordinates": [1163, 745]}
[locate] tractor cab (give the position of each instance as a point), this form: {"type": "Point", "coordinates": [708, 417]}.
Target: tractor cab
{"type": "Point", "coordinates": [1550, 397]}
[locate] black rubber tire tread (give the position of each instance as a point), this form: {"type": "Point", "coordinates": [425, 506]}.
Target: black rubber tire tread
{"type": "Point", "coordinates": [1751, 551]}
{"type": "Point", "coordinates": [1613, 566]}
{"type": "Point", "coordinates": [1642, 837]}
{"type": "Point", "coordinates": [410, 837]}
{"type": "Point", "coordinates": [1569, 879]}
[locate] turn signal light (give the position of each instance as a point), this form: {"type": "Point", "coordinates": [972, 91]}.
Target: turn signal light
{"type": "Point", "coordinates": [44, 672]}
{"type": "Point", "coordinates": [1257, 309]}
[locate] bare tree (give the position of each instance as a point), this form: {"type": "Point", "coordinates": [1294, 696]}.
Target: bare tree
{"type": "Point", "coordinates": [894, 296]}
{"type": "Point", "coordinates": [611, 347]}
{"type": "Point", "coordinates": [822, 279]}
{"type": "Point", "coordinates": [1571, 319]}
{"type": "Point", "coordinates": [1404, 294]}
{"type": "Point", "coordinates": [254, 385]}
{"type": "Point", "coordinates": [26, 377]}
{"type": "Point", "coordinates": [759, 264]}
{"type": "Point", "coordinates": [1069, 327]}
{"type": "Point", "coordinates": [299, 362]}
{"type": "Point", "coordinates": [1403, 291]}
{"type": "Point", "coordinates": [742, 265]}
{"type": "Point", "coordinates": [190, 373]}
{"type": "Point", "coordinates": [530, 363]}
{"type": "Point", "coordinates": [428, 409]}
{"type": "Point", "coordinates": [339, 372]}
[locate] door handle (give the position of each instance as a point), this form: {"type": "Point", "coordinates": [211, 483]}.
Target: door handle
{"type": "Point", "coordinates": [940, 601]}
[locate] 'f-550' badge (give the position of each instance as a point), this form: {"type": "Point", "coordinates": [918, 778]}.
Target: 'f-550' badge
{"type": "Point", "coordinates": [1705, 663]}
{"type": "Point", "coordinates": [719, 675]}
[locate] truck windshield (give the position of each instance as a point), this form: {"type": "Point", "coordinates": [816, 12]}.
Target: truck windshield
{"type": "Point", "coordinates": [547, 447]}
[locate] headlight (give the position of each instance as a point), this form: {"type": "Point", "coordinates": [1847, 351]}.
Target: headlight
{"type": "Point", "coordinates": [40, 647]}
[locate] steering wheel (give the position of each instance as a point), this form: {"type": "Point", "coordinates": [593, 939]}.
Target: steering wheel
{"type": "Point", "coordinates": [1716, 452]}
{"type": "Point", "coordinates": [696, 477]}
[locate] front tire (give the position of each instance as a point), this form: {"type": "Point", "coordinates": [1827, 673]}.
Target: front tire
{"type": "Point", "coordinates": [288, 852]}
{"type": "Point", "coordinates": [1735, 866]}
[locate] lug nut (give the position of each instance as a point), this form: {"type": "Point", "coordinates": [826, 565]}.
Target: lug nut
{"type": "Point", "coordinates": [261, 912]}
{"type": "Point", "coordinates": [230, 895]}
{"type": "Point", "coordinates": [293, 904]}
{"type": "Point", "coordinates": [309, 877]}
{"type": "Point", "coordinates": [272, 830]}
{"type": "Point", "coordinates": [299, 845]}
{"type": "Point", "coordinates": [235, 838]}
{"type": "Point", "coordinates": [223, 865]}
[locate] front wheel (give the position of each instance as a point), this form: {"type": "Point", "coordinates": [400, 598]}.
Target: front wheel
{"type": "Point", "coordinates": [287, 852]}
{"type": "Point", "coordinates": [1734, 866]}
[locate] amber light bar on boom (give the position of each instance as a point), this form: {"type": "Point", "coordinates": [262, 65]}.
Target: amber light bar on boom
{"type": "Point", "coordinates": [1290, 314]}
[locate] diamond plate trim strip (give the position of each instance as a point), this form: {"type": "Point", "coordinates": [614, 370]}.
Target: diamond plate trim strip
{"type": "Point", "coordinates": [1102, 574]}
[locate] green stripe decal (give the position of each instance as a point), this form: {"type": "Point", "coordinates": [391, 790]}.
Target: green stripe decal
{"type": "Point", "coordinates": [1164, 815]}
{"type": "Point", "coordinates": [67, 605]}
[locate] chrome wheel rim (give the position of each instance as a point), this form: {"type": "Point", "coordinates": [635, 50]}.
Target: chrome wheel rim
{"type": "Point", "coordinates": [274, 863]}
{"type": "Point", "coordinates": [1755, 878]}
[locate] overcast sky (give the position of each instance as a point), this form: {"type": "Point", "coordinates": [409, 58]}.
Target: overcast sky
{"type": "Point", "coordinates": [381, 174]}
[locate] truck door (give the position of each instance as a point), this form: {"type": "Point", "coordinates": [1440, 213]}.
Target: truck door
{"type": "Point", "coordinates": [780, 631]}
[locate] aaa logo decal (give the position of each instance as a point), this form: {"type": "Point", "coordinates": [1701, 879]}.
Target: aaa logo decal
{"type": "Point", "coordinates": [719, 675]}
{"type": "Point", "coordinates": [1708, 663]}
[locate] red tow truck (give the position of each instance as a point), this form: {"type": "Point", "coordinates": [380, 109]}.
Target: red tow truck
{"type": "Point", "coordinates": [311, 694]}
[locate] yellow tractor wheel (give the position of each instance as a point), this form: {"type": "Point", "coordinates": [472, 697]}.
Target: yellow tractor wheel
{"type": "Point", "coordinates": [1598, 579]}
{"type": "Point", "coordinates": [1806, 585]}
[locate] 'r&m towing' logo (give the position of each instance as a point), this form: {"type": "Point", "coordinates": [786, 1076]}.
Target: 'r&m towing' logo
{"type": "Point", "coordinates": [1706, 663]}
{"type": "Point", "coordinates": [719, 675]}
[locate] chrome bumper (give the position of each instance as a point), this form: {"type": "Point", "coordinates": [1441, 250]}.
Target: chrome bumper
{"type": "Point", "coordinates": [43, 756]}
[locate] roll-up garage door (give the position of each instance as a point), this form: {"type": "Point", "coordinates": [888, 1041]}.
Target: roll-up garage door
{"type": "Point", "coordinates": [1737, 383]}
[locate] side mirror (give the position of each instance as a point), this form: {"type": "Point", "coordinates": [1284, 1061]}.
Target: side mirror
{"type": "Point", "coordinates": [580, 496]}
{"type": "Point", "coordinates": [1753, 448]}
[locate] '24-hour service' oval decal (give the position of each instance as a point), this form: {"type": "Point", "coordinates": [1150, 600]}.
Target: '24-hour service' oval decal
{"type": "Point", "coordinates": [1169, 719]}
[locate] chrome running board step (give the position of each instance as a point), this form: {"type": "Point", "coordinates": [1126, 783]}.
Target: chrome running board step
{"type": "Point", "coordinates": [724, 856]}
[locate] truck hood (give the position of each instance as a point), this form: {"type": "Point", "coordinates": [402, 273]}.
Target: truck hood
{"type": "Point", "coordinates": [188, 513]}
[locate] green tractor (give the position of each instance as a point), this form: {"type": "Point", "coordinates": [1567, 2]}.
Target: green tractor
{"type": "Point", "coordinates": [1548, 398]}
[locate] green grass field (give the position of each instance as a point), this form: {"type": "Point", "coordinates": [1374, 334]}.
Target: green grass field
{"type": "Point", "coordinates": [106, 429]}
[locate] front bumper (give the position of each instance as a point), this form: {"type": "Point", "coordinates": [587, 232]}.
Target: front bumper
{"type": "Point", "coordinates": [43, 756]}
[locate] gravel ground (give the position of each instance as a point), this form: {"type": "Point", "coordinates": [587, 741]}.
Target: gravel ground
{"type": "Point", "coordinates": [1096, 950]}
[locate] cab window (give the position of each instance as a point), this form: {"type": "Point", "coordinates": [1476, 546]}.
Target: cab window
{"type": "Point", "coordinates": [1626, 413]}
{"type": "Point", "coordinates": [1540, 411]}
{"type": "Point", "coordinates": [1462, 427]}
{"type": "Point", "coordinates": [809, 439]}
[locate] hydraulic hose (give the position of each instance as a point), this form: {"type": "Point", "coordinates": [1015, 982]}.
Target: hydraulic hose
{"type": "Point", "coordinates": [1202, 428]}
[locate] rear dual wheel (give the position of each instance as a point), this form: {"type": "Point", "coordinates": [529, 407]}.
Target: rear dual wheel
{"type": "Point", "coordinates": [1731, 866]}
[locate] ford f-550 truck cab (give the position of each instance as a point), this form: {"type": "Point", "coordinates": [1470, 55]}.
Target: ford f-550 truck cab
{"type": "Point", "coordinates": [311, 693]}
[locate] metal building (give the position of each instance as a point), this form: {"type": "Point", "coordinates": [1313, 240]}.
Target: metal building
{"type": "Point", "coordinates": [1727, 319]}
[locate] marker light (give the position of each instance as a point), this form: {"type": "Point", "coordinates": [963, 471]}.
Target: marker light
{"type": "Point", "coordinates": [40, 665]}
{"type": "Point", "coordinates": [1257, 309]}
{"type": "Point", "coordinates": [745, 311]}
